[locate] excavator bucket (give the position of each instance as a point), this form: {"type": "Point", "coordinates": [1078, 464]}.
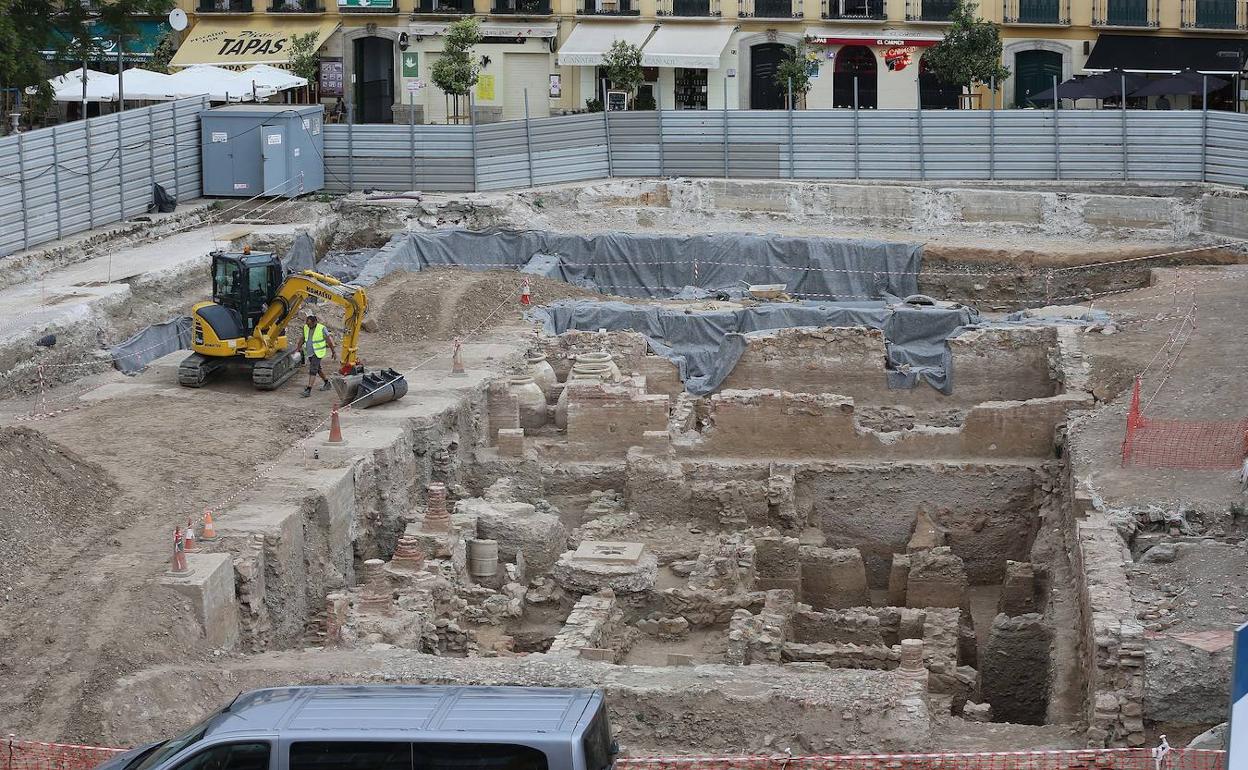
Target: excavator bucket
{"type": "Point", "coordinates": [380, 387]}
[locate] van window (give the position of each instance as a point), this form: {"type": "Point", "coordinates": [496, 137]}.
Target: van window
{"type": "Point", "coordinates": [477, 756]}
{"type": "Point", "coordinates": [350, 755]}
{"type": "Point", "coordinates": [370, 755]}
{"type": "Point", "coordinates": [229, 756]}
{"type": "Point", "coordinates": [596, 742]}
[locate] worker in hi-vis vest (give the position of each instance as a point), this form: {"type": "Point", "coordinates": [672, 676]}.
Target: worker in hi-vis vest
{"type": "Point", "coordinates": [316, 342]}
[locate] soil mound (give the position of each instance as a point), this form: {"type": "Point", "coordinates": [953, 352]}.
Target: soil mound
{"type": "Point", "coordinates": [440, 303]}
{"type": "Point", "coordinates": [47, 494]}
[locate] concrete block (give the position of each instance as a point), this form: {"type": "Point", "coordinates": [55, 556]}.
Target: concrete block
{"type": "Point", "coordinates": [676, 659]}
{"type": "Point", "coordinates": [1000, 206]}
{"type": "Point", "coordinates": [1224, 216]}
{"type": "Point", "coordinates": [1129, 212]}
{"type": "Point", "coordinates": [210, 588]}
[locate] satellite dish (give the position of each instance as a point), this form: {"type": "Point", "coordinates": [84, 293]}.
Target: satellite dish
{"type": "Point", "coordinates": [177, 19]}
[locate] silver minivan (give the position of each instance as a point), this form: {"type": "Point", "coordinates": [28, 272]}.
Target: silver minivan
{"type": "Point", "coordinates": [397, 727]}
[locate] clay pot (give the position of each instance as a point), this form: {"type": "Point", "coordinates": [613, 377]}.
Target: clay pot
{"type": "Point", "coordinates": [600, 358]}
{"type": "Point", "coordinates": [542, 372]}
{"type": "Point", "coordinates": [575, 380]}
{"type": "Point", "coordinates": [531, 401]}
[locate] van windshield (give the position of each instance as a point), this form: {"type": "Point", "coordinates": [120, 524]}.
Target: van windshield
{"type": "Point", "coordinates": [174, 745]}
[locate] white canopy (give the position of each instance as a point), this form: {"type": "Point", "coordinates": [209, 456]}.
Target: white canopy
{"type": "Point", "coordinates": [101, 86]}
{"type": "Point", "coordinates": [693, 46]}
{"type": "Point", "coordinates": [144, 85]}
{"type": "Point", "coordinates": [274, 77]}
{"type": "Point", "coordinates": [218, 84]}
{"type": "Point", "coordinates": [590, 41]}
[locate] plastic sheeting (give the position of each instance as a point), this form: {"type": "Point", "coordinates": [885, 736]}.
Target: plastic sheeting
{"type": "Point", "coordinates": [345, 265]}
{"type": "Point", "coordinates": [707, 345]}
{"type": "Point", "coordinates": [155, 341]}
{"type": "Point", "coordinates": [660, 265]}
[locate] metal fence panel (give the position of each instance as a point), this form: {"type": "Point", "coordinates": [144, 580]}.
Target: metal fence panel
{"type": "Point", "coordinates": [1227, 153]}
{"type": "Point", "coordinates": [66, 179]}
{"type": "Point", "coordinates": [398, 158]}
{"type": "Point", "coordinates": [823, 144]}
{"type": "Point", "coordinates": [635, 144]}
{"type": "Point", "coordinates": [955, 144]}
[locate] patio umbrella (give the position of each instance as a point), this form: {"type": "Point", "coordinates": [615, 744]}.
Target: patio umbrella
{"type": "Point", "coordinates": [1102, 86]}
{"type": "Point", "coordinates": [1186, 83]}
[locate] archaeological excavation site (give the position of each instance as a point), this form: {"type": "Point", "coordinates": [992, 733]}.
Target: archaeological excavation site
{"type": "Point", "coordinates": [786, 469]}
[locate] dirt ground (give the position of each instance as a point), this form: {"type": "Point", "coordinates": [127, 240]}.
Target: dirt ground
{"type": "Point", "coordinates": [1199, 376]}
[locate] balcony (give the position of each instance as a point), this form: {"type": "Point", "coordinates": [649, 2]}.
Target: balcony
{"type": "Point", "coordinates": [929, 10]}
{"type": "Point", "coordinates": [368, 6]}
{"type": "Point", "coordinates": [689, 8]}
{"type": "Point", "coordinates": [1214, 14]}
{"type": "Point", "coordinates": [223, 6]}
{"type": "Point", "coordinates": [296, 6]}
{"type": "Point", "coordinates": [854, 10]}
{"type": "Point", "coordinates": [442, 7]}
{"type": "Point", "coordinates": [770, 9]}
{"type": "Point", "coordinates": [1036, 12]}
{"type": "Point", "coordinates": [1124, 13]}
{"type": "Point", "coordinates": [609, 8]}
{"type": "Point", "coordinates": [521, 7]}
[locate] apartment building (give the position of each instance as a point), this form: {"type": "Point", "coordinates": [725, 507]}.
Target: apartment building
{"type": "Point", "coordinates": [544, 56]}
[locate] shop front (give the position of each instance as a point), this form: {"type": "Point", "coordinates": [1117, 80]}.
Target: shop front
{"type": "Point", "coordinates": [880, 71]}
{"type": "Point", "coordinates": [518, 75]}
{"type": "Point", "coordinates": [696, 66]}
{"type": "Point", "coordinates": [583, 53]}
{"type": "Point", "coordinates": [1222, 59]}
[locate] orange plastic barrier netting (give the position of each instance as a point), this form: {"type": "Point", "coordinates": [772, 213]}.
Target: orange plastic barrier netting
{"type": "Point", "coordinates": [1185, 444]}
{"type": "Point", "coordinates": [32, 755]}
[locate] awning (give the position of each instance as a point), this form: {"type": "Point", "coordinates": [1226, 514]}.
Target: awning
{"type": "Point", "coordinates": [243, 42]}
{"type": "Point", "coordinates": [1153, 53]}
{"type": "Point", "coordinates": [590, 40]}
{"type": "Point", "coordinates": [139, 46]}
{"type": "Point", "coordinates": [883, 37]}
{"type": "Point", "coordinates": [693, 46]}
{"type": "Point", "coordinates": [101, 86]}
{"type": "Point", "coordinates": [272, 77]}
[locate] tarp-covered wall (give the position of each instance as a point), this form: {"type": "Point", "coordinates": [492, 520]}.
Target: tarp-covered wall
{"type": "Point", "coordinates": [155, 341]}
{"type": "Point", "coordinates": [706, 345]}
{"type": "Point", "coordinates": [660, 265]}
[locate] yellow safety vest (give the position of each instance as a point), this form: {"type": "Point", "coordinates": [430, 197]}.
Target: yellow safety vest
{"type": "Point", "coordinates": [319, 345]}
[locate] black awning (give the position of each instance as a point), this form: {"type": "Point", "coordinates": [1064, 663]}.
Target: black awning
{"type": "Point", "coordinates": [1153, 53]}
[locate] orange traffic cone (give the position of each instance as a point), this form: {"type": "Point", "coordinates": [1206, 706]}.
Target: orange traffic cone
{"type": "Point", "coordinates": [208, 532]}
{"type": "Point", "coordinates": [335, 429]}
{"type": "Point", "coordinates": [190, 535]}
{"type": "Point", "coordinates": [524, 292]}
{"type": "Point", "coordinates": [457, 360]}
{"type": "Point", "coordinates": [179, 553]}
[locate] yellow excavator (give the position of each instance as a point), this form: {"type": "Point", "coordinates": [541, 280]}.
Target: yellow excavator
{"type": "Point", "coordinates": [253, 301]}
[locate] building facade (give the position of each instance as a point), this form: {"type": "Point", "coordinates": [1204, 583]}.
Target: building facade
{"type": "Point", "coordinates": [544, 56]}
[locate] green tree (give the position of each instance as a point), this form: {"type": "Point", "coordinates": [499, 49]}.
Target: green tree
{"type": "Point", "coordinates": [456, 71]}
{"type": "Point", "coordinates": [622, 62]}
{"type": "Point", "coordinates": [794, 71]}
{"type": "Point", "coordinates": [164, 52]}
{"type": "Point", "coordinates": [303, 59]}
{"type": "Point", "coordinates": [971, 50]}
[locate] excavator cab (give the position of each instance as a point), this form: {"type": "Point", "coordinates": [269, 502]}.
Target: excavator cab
{"type": "Point", "coordinates": [244, 284]}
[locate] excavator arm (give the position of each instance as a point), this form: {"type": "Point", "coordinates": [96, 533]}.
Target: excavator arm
{"type": "Point", "coordinates": [294, 291]}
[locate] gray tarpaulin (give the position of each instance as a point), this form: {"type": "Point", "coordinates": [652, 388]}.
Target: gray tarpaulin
{"type": "Point", "coordinates": [302, 254]}
{"type": "Point", "coordinates": [150, 344]}
{"type": "Point", "coordinates": [345, 265]}
{"type": "Point", "coordinates": [707, 345]}
{"type": "Point", "coordinates": [659, 266]}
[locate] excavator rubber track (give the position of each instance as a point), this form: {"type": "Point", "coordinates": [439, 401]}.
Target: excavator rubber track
{"type": "Point", "coordinates": [195, 370]}
{"type": "Point", "coordinates": [271, 373]}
